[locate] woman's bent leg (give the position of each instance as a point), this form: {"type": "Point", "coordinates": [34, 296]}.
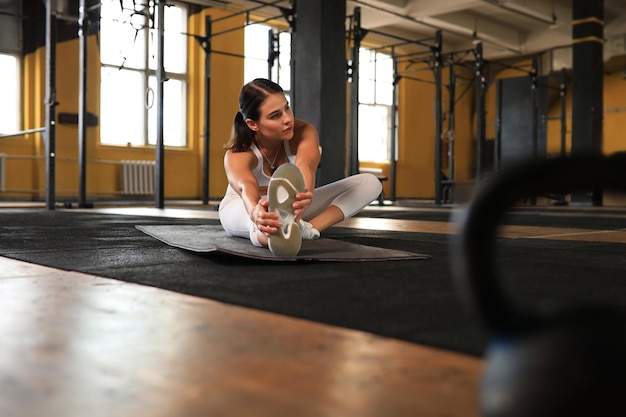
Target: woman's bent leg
{"type": "Point", "coordinates": [342, 199]}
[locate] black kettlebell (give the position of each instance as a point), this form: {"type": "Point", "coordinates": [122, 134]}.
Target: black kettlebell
{"type": "Point", "coordinates": [567, 362]}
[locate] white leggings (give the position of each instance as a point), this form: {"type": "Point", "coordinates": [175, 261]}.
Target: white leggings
{"type": "Point", "coordinates": [349, 194]}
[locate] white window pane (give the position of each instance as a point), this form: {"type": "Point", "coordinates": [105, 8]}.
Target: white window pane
{"type": "Point", "coordinates": [123, 34]}
{"type": "Point", "coordinates": [367, 76]}
{"type": "Point", "coordinates": [9, 94]}
{"type": "Point", "coordinates": [254, 68]}
{"type": "Point", "coordinates": [256, 42]}
{"type": "Point", "coordinates": [121, 107]}
{"type": "Point", "coordinates": [257, 49]}
{"type": "Point", "coordinates": [175, 42]}
{"type": "Point", "coordinates": [384, 79]}
{"type": "Point", "coordinates": [284, 61]}
{"type": "Point", "coordinates": [384, 93]}
{"type": "Point", "coordinates": [374, 133]}
{"type": "Point", "coordinates": [367, 91]}
{"type": "Point", "coordinates": [173, 114]}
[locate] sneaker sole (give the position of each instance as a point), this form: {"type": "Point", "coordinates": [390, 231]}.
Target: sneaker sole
{"type": "Point", "coordinates": [286, 182]}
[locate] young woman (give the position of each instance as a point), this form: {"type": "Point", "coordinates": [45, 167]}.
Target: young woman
{"type": "Point", "coordinates": [265, 136]}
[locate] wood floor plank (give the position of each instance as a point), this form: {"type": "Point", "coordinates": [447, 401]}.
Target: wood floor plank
{"type": "Point", "coordinates": [77, 345]}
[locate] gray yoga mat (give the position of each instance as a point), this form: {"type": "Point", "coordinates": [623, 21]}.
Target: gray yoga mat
{"type": "Point", "coordinates": [213, 238]}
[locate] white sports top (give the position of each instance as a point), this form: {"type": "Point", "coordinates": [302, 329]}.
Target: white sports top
{"type": "Point", "coordinates": [262, 178]}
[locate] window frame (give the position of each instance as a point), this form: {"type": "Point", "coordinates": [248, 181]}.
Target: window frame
{"type": "Point", "coordinates": [148, 76]}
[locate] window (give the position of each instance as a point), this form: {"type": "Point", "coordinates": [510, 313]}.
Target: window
{"type": "Point", "coordinates": [375, 105]}
{"type": "Point", "coordinates": [10, 96]}
{"type": "Point", "coordinates": [128, 53]}
{"type": "Point", "coordinates": [258, 44]}
{"type": "Point", "coordinates": [10, 53]}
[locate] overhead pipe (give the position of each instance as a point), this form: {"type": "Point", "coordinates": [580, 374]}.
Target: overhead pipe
{"type": "Point", "coordinates": [514, 7]}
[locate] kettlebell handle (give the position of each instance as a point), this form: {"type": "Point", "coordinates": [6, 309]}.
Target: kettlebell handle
{"type": "Point", "coordinates": [473, 263]}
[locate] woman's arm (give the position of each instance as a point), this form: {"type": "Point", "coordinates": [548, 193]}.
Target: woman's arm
{"type": "Point", "coordinates": [307, 151]}
{"type": "Point", "coordinates": [307, 160]}
{"type": "Point", "coordinates": [238, 167]}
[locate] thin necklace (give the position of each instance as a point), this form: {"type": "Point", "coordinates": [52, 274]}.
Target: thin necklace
{"type": "Point", "coordinates": [273, 162]}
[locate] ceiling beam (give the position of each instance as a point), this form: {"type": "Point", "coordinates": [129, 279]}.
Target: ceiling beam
{"type": "Point", "coordinates": [478, 28]}
{"type": "Point", "coordinates": [426, 8]}
{"type": "Point", "coordinates": [446, 27]}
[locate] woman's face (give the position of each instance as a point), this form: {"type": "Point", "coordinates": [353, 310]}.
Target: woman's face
{"type": "Point", "coordinates": [275, 120]}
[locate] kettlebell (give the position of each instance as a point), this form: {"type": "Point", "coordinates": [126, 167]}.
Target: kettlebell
{"type": "Point", "coordinates": [567, 361]}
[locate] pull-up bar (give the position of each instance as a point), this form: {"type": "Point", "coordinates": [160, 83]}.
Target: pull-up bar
{"type": "Point", "coordinates": [22, 132]}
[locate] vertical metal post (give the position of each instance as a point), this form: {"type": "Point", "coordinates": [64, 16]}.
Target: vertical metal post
{"type": "Point", "coordinates": [50, 102]}
{"type": "Point", "coordinates": [480, 112]}
{"type": "Point", "coordinates": [293, 62]}
{"type": "Point", "coordinates": [160, 73]}
{"type": "Point", "coordinates": [206, 45]}
{"type": "Point", "coordinates": [498, 139]}
{"type": "Point", "coordinates": [83, 26]}
{"type": "Point", "coordinates": [438, 62]}
{"type": "Point", "coordinates": [353, 124]}
{"type": "Point", "coordinates": [273, 52]}
{"type": "Point", "coordinates": [394, 127]}
{"type": "Point", "coordinates": [451, 123]}
{"type": "Point", "coordinates": [562, 92]}
{"type": "Point", "coordinates": [534, 86]}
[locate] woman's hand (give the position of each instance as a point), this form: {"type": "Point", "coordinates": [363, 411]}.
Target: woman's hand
{"type": "Point", "coordinates": [303, 202]}
{"type": "Point", "coordinates": [265, 221]}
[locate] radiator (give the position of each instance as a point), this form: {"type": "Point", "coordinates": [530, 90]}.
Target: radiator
{"type": "Point", "coordinates": [138, 177]}
{"type": "Point", "coordinates": [3, 171]}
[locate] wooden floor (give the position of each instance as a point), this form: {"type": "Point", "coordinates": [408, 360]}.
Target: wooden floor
{"type": "Point", "coordinates": [78, 345]}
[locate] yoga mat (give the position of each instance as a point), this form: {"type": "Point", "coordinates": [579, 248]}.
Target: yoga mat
{"type": "Point", "coordinates": [212, 238]}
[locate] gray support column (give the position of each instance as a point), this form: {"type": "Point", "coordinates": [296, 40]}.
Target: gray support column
{"type": "Point", "coordinates": [587, 83]}
{"type": "Point", "coordinates": [319, 81]}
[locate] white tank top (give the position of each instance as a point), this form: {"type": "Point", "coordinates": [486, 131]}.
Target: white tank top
{"type": "Point", "coordinates": [262, 178]}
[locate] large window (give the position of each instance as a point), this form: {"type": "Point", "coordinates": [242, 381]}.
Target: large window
{"type": "Point", "coordinates": [10, 52]}
{"type": "Point", "coordinates": [375, 105]}
{"type": "Point", "coordinates": [129, 58]}
{"type": "Point", "coordinates": [10, 94]}
{"type": "Point", "coordinates": [260, 40]}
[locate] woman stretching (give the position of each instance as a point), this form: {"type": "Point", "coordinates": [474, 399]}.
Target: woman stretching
{"type": "Point", "coordinates": [266, 136]}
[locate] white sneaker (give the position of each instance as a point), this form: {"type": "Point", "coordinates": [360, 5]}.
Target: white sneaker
{"type": "Point", "coordinates": [307, 231]}
{"type": "Point", "coordinates": [286, 182]}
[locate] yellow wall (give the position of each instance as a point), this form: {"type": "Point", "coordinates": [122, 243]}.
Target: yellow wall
{"type": "Point", "coordinates": [183, 166]}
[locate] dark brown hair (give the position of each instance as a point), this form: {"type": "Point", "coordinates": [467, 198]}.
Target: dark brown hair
{"type": "Point", "coordinates": [252, 95]}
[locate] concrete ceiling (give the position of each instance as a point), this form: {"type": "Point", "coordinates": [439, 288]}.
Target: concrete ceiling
{"type": "Point", "coordinates": [507, 28]}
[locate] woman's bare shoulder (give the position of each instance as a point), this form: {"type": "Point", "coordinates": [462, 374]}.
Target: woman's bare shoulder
{"type": "Point", "coordinates": [241, 158]}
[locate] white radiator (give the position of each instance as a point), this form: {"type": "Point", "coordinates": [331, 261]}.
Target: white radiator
{"type": "Point", "coordinates": [138, 177]}
{"type": "Point", "coordinates": [3, 171]}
